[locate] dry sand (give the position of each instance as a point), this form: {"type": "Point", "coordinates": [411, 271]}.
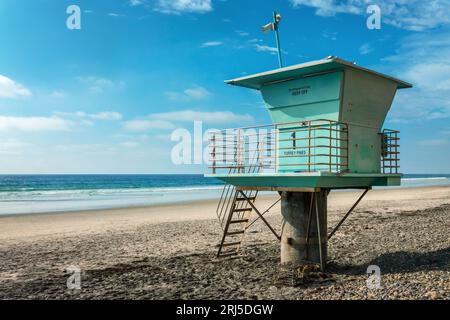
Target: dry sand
{"type": "Point", "coordinates": [167, 252]}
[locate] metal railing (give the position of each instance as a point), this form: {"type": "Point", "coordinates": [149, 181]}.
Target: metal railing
{"type": "Point", "coordinates": [390, 151]}
{"type": "Point", "coordinates": [307, 146]}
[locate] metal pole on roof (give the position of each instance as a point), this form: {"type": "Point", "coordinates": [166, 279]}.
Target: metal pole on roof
{"type": "Point", "coordinates": [273, 26]}
{"type": "Point", "coordinates": [276, 21]}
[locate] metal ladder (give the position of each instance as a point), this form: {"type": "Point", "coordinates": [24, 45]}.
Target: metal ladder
{"type": "Point", "coordinates": [234, 213]}
{"type": "Point", "coordinates": [234, 210]}
{"type": "Point", "coordinates": [236, 221]}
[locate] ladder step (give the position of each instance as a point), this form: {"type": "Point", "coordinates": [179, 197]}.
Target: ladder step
{"type": "Point", "coordinates": [235, 232]}
{"type": "Point", "coordinates": [231, 244]}
{"type": "Point", "coordinates": [242, 209]}
{"type": "Point", "coordinates": [239, 221]}
{"type": "Point", "coordinates": [243, 199]}
{"type": "Point", "coordinates": [227, 254]}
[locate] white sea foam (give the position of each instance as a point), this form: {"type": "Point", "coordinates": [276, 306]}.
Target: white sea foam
{"type": "Point", "coordinates": [16, 202]}
{"type": "Point", "coordinates": [429, 178]}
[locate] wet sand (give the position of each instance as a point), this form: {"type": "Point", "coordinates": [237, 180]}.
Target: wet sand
{"type": "Point", "coordinates": [167, 252]}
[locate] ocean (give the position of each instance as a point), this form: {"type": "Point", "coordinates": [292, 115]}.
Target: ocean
{"type": "Point", "coordinates": [56, 193]}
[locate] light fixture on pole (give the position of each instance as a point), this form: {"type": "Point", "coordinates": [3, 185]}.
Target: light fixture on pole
{"type": "Point", "coordinates": [274, 27]}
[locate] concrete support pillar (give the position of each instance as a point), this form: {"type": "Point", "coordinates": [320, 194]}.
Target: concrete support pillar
{"type": "Point", "coordinates": [295, 208]}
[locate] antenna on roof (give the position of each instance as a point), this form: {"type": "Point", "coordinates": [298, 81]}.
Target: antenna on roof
{"type": "Point", "coordinates": [274, 27]}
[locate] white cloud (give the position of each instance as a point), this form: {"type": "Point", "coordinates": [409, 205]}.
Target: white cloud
{"type": "Point", "coordinates": [211, 44]}
{"type": "Point", "coordinates": [57, 94]}
{"type": "Point", "coordinates": [105, 115]}
{"type": "Point", "coordinates": [113, 14]}
{"type": "Point", "coordinates": [328, 8]}
{"type": "Point", "coordinates": [12, 147]}
{"type": "Point", "coordinates": [366, 48]}
{"type": "Point", "coordinates": [194, 93]}
{"type": "Point", "coordinates": [144, 125]}
{"type": "Point", "coordinates": [134, 3]}
{"type": "Point", "coordinates": [210, 117]}
{"type": "Point", "coordinates": [12, 89]}
{"type": "Point", "coordinates": [330, 35]}
{"type": "Point", "coordinates": [83, 148]}
{"type": "Point", "coordinates": [242, 33]}
{"type": "Point", "coordinates": [264, 48]}
{"type": "Point", "coordinates": [416, 15]}
{"type": "Point", "coordinates": [183, 6]}
{"type": "Point", "coordinates": [434, 76]}
{"type": "Point", "coordinates": [99, 84]}
{"type": "Point", "coordinates": [422, 59]}
{"type": "Point", "coordinates": [130, 144]}
{"type": "Point", "coordinates": [31, 124]}
{"type": "Point", "coordinates": [433, 142]}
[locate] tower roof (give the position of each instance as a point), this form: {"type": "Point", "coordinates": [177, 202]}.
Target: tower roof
{"type": "Point", "coordinates": [329, 64]}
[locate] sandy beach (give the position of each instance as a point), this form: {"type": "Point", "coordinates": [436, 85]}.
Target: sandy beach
{"type": "Point", "coordinates": [168, 252]}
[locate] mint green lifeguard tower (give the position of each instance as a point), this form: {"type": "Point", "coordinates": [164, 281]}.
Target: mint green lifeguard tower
{"type": "Point", "coordinates": [327, 133]}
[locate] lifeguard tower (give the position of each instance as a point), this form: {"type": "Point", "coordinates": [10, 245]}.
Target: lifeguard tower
{"type": "Point", "coordinates": [326, 134]}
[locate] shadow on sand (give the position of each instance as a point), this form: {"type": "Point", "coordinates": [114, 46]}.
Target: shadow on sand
{"type": "Point", "coordinates": [399, 262]}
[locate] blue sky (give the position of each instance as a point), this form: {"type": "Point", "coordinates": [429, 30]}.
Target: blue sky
{"type": "Point", "coordinates": [105, 99]}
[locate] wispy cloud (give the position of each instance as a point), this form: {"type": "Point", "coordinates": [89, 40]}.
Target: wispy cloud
{"type": "Point", "coordinates": [433, 142]}
{"type": "Point", "coordinates": [57, 94]}
{"type": "Point", "coordinates": [12, 147]}
{"type": "Point", "coordinates": [107, 115]}
{"type": "Point", "coordinates": [194, 93]}
{"type": "Point", "coordinates": [12, 89]}
{"type": "Point", "coordinates": [145, 125]}
{"type": "Point", "coordinates": [416, 15]}
{"type": "Point", "coordinates": [422, 59]}
{"type": "Point", "coordinates": [254, 40]}
{"type": "Point", "coordinates": [33, 124]}
{"type": "Point", "coordinates": [366, 48]}
{"type": "Point", "coordinates": [211, 44]}
{"type": "Point", "coordinates": [114, 14]}
{"type": "Point", "coordinates": [210, 117]}
{"type": "Point", "coordinates": [130, 144]}
{"type": "Point", "coordinates": [268, 49]}
{"type": "Point", "coordinates": [99, 85]}
{"type": "Point", "coordinates": [183, 6]}
{"type": "Point", "coordinates": [134, 3]}
{"type": "Point", "coordinates": [242, 33]}
{"type": "Point", "coordinates": [167, 120]}
{"type": "Point", "coordinates": [104, 115]}
{"type": "Point", "coordinates": [330, 35]}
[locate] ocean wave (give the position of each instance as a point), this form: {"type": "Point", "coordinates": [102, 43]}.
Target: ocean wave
{"type": "Point", "coordinates": [89, 193]}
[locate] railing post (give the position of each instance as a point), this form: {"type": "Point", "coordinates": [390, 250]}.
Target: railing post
{"type": "Point", "coordinates": [260, 154]}
{"type": "Point", "coordinates": [239, 151]}
{"type": "Point", "coordinates": [331, 149]}
{"type": "Point", "coordinates": [214, 153]}
{"type": "Point", "coordinates": [397, 141]}
{"type": "Point", "coordinates": [309, 146]}
{"type": "Point", "coordinates": [347, 132]}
